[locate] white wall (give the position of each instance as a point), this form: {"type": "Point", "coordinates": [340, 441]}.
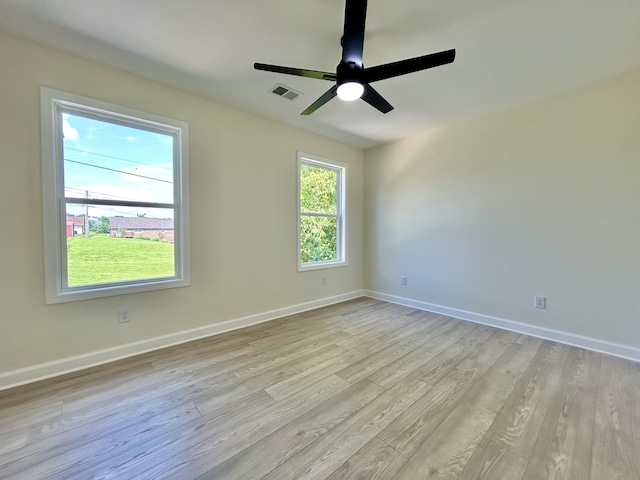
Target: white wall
{"type": "Point", "coordinates": [540, 199]}
{"type": "Point", "coordinates": [243, 217]}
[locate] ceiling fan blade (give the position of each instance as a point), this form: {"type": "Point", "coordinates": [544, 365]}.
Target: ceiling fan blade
{"type": "Point", "coordinates": [300, 72]}
{"type": "Point", "coordinates": [328, 95]}
{"type": "Point", "coordinates": [402, 67]}
{"type": "Point", "coordinates": [355, 13]}
{"type": "Point", "coordinates": [376, 100]}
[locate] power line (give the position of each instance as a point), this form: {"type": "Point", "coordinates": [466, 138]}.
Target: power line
{"type": "Point", "coordinates": [108, 209]}
{"type": "Point", "coordinates": [116, 158]}
{"type": "Point", "coordinates": [83, 190]}
{"type": "Point", "coordinates": [117, 171]}
{"type": "Point", "coordinates": [111, 209]}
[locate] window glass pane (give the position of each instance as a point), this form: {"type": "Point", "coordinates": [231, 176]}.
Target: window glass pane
{"type": "Point", "coordinates": [318, 239]}
{"type": "Point", "coordinates": [120, 246]}
{"type": "Point", "coordinates": [104, 160]}
{"type": "Point", "coordinates": [318, 189]}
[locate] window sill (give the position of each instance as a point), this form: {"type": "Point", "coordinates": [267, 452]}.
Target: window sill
{"type": "Point", "coordinates": [112, 290]}
{"type": "Point", "coordinates": [321, 265]}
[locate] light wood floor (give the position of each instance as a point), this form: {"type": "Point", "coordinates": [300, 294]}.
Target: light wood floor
{"type": "Point", "coordinates": [360, 390]}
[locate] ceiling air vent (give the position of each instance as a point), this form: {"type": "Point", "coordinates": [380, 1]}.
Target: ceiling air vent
{"type": "Point", "coordinates": [285, 92]}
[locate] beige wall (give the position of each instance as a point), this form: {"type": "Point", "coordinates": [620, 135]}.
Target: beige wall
{"type": "Point", "coordinates": [540, 199]}
{"type": "Point", "coordinates": [243, 215]}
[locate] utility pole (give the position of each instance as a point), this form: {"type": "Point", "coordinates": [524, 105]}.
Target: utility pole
{"type": "Point", "coordinates": [86, 214]}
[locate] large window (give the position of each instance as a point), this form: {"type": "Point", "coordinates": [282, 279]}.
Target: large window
{"type": "Point", "coordinates": [321, 213]}
{"type": "Point", "coordinates": [115, 197]}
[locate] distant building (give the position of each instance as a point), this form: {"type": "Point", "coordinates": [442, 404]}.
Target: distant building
{"type": "Point", "coordinates": [135, 227]}
{"type": "Point", "coordinates": [75, 225]}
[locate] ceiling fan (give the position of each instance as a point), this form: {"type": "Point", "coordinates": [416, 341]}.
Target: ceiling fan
{"type": "Point", "coordinates": [352, 80]}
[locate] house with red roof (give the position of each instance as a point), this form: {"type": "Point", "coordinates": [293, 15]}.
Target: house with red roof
{"type": "Point", "coordinates": [75, 225]}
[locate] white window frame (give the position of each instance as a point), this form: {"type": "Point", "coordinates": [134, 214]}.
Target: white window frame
{"type": "Point", "coordinates": [53, 103]}
{"type": "Point", "coordinates": [341, 209]}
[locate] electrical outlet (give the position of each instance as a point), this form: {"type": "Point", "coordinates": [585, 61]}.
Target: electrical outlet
{"type": "Point", "coordinates": [539, 301]}
{"type": "Point", "coordinates": [324, 280]}
{"type": "Point", "coordinates": [123, 316]}
{"type": "Point", "coordinates": [403, 280]}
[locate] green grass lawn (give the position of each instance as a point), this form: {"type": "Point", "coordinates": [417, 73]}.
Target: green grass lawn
{"type": "Point", "coordinates": [101, 258]}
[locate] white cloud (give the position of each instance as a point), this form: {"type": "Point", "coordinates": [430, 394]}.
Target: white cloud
{"type": "Point", "coordinates": [68, 131]}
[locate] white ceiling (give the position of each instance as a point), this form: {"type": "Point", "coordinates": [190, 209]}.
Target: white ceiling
{"type": "Point", "coordinates": [508, 52]}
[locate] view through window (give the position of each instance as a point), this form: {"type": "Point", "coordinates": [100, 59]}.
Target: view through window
{"type": "Point", "coordinates": [127, 234]}
{"type": "Point", "coordinates": [321, 213]}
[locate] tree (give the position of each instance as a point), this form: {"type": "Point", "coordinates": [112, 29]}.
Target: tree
{"type": "Point", "coordinates": [318, 235]}
{"type": "Point", "coordinates": [100, 226]}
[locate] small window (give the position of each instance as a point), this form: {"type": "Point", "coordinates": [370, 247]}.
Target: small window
{"type": "Point", "coordinates": [122, 170]}
{"type": "Point", "coordinates": [321, 213]}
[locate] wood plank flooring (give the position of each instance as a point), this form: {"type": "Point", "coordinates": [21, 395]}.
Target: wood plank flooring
{"type": "Point", "coordinates": [359, 390]}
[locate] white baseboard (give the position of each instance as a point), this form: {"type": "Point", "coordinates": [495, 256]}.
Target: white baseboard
{"type": "Point", "coordinates": [602, 346]}
{"type": "Point", "coordinates": [55, 368]}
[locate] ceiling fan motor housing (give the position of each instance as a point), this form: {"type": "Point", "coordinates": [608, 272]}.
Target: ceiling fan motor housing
{"type": "Point", "coordinates": [348, 72]}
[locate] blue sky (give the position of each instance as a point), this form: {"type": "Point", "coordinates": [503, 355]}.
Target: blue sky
{"type": "Point", "coordinates": [116, 162]}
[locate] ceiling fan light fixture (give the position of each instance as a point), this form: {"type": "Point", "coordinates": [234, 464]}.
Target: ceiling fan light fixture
{"type": "Point", "coordinates": [350, 91]}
